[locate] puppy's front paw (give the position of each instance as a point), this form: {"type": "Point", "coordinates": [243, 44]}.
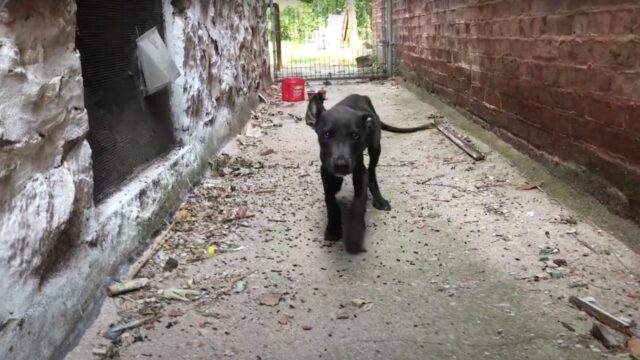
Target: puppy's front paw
{"type": "Point", "coordinates": [333, 233]}
{"type": "Point", "coordinates": [354, 240]}
{"type": "Point", "coordinates": [381, 204]}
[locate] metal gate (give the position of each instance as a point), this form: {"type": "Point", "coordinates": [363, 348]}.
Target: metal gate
{"type": "Point", "coordinates": [329, 39]}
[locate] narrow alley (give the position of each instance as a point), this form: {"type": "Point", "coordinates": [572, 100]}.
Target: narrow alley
{"type": "Point", "coordinates": [474, 261]}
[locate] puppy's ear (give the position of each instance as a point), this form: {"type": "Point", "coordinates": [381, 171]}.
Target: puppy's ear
{"type": "Point", "coordinates": [314, 110]}
{"type": "Point", "coordinates": [367, 120]}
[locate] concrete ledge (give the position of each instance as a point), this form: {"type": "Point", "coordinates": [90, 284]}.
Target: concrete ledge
{"type": "Point", "coordinates": [124, 226]}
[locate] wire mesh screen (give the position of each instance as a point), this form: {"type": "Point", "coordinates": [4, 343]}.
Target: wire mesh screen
{"type": "Point", "coordinates": [334, 42]}
{"type": "Point", "coordinates": [126, 129]}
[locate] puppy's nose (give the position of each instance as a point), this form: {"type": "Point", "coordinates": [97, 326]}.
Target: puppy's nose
{"type": "Point", "coordinates": [341, 165]}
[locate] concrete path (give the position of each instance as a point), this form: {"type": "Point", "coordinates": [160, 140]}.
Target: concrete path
{"type": "Point", "coordinates": [454, 271]}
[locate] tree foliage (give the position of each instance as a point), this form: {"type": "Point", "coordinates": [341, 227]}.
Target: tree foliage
{"type": "Point", "coordinates": [298, 22]}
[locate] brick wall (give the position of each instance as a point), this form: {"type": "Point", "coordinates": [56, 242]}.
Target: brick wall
{"type": "Point", "coordinates": [560, 79]}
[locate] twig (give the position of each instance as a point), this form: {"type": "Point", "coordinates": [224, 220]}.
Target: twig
{"type": "Point", "coordinates": [466, 147]}
{"type": "Point", "coordinates": [603, 316]}
{"type": "Point", "coordinates": [148, 254]}
{"type": "Point", "coordinates": [234, 218]}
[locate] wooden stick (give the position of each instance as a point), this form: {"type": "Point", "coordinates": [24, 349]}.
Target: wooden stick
{"type": "Point", "coordinates": [465, 146]}
{"type": "Point", "coordinates": [148, 254]}
{"type": "Point", "coordinates": [603, 316]}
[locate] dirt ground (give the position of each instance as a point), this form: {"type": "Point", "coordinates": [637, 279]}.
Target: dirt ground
{"type": "Point", "coordinates": [466, 265]}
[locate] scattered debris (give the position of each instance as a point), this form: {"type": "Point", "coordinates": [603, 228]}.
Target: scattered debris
{"type": "Point", "coordinates": [530, 186]}
{"type": "Point", "coordinates": [271, 299]}
{"type": "Point", "coordinates": [175, 312]}
{"type": "Point", "coordinates": [463, 144]}
{"type": "Point", "coordinates": [170, 265]}
{"type": "Point", "coordinates": [239, 214]}
{"type": "Point", "coordinates": [365, 305]}
{"type": "Point", "coordinates": [560, 262]}
{"type": "Point", "coordinates": [603, 316]}
{"type": "Point", "coordinates": [224, 247]}
{"type": "Point", "coordinates": [182, 215]}
{"type": "Point", "coordinates": [148, 254]}
{"type": "Point", "coordinates": [295, 117]}
{"type": "Point", "coordinates": [548, 250]}
{"type": "Point", "coordinates": [240, 286]}
{"type": "Point", "coordinates": [608, 338]}
{"type": "Point", "coordinates": [116, 330]}
{"type": "Point", "coordinates": [263, 99]}
{"type": "Point", "coordinates": [178, 294]}
{"type": "Point", "coordinates": [633, 346]}
{"type": "Point", "coordinates": [127, 286]}
{"type": "Point", "coordinates": [567, 326]}
{"type": "Point", "coordinates": [282, 319]}
{"type": "Point", "coordinates": [107, 352]}
{"type": "Point", "coordinates": [342, 314]}
{"type": "Point", "coordinates": [578, 284]}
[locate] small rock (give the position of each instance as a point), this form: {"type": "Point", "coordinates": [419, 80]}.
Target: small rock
{"type": "Point", "coordinates": [306, 327]}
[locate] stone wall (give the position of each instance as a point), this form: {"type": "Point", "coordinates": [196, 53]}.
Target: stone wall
{"type": "Point", "coordinates": [558, 79]}
{"type": "Point", "coordinates": [57, 248]}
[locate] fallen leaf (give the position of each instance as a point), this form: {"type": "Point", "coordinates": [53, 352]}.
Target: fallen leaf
{"type": "Point", "coordinates": [529, 185]}
{"type": "Point", "coordinates": [175, 312]}
{"type": "Point", "coordinates": [283, 319]}
{"type": "Point", "coordinates": [365, 305]}
{"type": "Point", "coordinates": [270, 299]}
{"type": "Point", "coordinates": [633, 345]}
{"type": "Point", "coordinates": [183, 215]}
{"type": "Point", "coordinates": [342, 315]}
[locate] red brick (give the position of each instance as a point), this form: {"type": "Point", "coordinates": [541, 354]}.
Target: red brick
{"type": "Point", "coordinates": [605, 111]}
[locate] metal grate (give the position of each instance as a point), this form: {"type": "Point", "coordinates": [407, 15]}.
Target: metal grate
{"type": "Point", "coordinates": [325, 52]}
{"type": "Point", "coordinates": [126, 130]}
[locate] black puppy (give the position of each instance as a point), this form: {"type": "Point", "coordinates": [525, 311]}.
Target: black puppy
{"type": "Point", "coordinates": [344, 132]}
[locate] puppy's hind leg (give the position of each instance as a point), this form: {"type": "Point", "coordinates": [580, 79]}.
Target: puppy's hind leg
{"type": "Point", "coordinates": [332, 185]}
{"type": "Point", "coordinates": [379, 201]}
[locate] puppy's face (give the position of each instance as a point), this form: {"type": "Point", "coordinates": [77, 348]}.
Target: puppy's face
{"type": "Point", "coordinates": [342, 136]}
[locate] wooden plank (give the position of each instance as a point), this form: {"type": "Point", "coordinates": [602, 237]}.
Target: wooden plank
{"type": "Point", "coordinates": [458, 141]}
{"type": "Point", "coordinates": [604, 317]}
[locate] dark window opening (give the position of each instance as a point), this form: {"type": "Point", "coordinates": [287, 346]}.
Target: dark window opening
{"type": "Point", "coordinates": [126, 129]}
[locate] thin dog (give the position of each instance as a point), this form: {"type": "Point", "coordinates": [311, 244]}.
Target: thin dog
{"type": "Point", "coordinates": [344, 132]}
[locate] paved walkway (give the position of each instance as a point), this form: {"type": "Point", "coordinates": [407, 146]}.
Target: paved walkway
{"type": "Point", "coordinates": [454, 271]}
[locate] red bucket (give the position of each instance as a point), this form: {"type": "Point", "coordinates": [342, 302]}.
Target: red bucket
{"type": "Point", "coordinates": [293, 89]}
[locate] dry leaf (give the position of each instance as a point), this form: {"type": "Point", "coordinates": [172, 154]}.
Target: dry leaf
{"type": "Point", "coordinates": [183, 215]}
{"type": "Point", "coordinates": [175, 312]}
{"type": "Point", "coordinates": [270, 299]}
{"type": "Point", "coordinates": [633, 345]}
{"type": "Point", "coordinates": [283, 319]}
{"type": "Point", "coordinates": [365, 305]}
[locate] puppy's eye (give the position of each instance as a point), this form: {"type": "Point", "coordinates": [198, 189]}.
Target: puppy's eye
{"type": "Point", "coordinates": [355, 136]}
{"type": "Point", "coordinates": [326, 134]}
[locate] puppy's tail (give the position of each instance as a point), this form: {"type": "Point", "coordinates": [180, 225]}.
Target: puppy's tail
{"type": "Point", "coordinates": [394, 129]}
